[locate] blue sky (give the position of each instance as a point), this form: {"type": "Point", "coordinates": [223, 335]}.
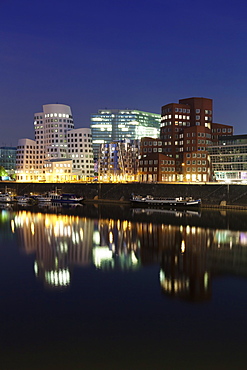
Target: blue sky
{"type": "Point", "coordinates": [120, 54]}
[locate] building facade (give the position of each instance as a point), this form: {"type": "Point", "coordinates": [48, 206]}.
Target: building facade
{"type": "Point", "coordinates": [229, 159]}
{"type": "Point", "coordinates": [58, 170]}
{"type": "Point", "coordinates": [154, 165]}
{"type": "Point", "coordinates": [187, 130]}
{"type": "Point", "coordinates": [8, 158]}
{"type": "Point", "coordinates": [80, 150]}
{"type": "Point", "coordinates": [118, 161]}
{"type": "Point", "coordinates": [55, 139]}
{"type": "Point", "coordinates": [28, 163]}
{"type": "Point", "coordinates": [118, 124]}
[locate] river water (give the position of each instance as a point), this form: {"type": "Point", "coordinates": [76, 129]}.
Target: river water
{"type": "Point", "coordinates": [108, 287]}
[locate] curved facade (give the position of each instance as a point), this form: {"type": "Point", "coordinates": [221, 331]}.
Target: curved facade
{"type": "Point", "coordinates": [55, 140]}
{"type": "Point", "coordinates": [51, 128]}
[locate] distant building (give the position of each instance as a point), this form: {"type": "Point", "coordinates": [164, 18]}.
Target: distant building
{"type": "Point", "coordinates": [229, 159]}
{"type": "Point", "coordinates": [8, 158]}
{"type": "Point", "coordinates": [55, 139]}
{"type": "Point", "coordinates": [118, 124]}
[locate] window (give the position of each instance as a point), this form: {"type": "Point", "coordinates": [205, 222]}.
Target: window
{"type": "Point", "coordinates": [197, 110]}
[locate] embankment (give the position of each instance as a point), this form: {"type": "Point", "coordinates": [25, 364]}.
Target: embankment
{"type": "Point", "coordinates": [212, 195]}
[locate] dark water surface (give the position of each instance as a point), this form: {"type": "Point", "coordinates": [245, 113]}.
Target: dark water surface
{"type": "Point", "coordinates": [115, 288]}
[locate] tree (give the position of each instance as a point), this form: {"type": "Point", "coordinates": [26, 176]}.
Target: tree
{"type": "Point", "coordinates": [3, 172]}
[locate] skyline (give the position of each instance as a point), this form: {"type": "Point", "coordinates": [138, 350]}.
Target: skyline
{"type": "Point", "coordinates": [130, 54]}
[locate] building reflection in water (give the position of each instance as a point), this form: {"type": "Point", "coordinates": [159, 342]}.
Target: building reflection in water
{"type": "Point", "coordinates": [189, 257]}
{"type": "Point", "coordinates": [63, 241]}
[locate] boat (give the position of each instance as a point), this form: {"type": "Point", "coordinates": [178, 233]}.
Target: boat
{"type": "Point", "coordinates": [65, 198]}
{"type": "Point", "coordinates": [42, 198]}
{"type": "Point", "coordinates": [5, 198]}
{"type": "Point", "coordinates": [23, 200]}
{"type": "Point", "coordinates": [165, 202]}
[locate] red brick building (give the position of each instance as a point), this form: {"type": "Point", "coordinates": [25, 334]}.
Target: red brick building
{"type": "Point", "coordinates": [187, 129]}
{"type": "Point", "coordinates": [154, 166]}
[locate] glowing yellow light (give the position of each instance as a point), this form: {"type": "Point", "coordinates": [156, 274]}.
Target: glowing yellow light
{"type": "Point", "coordinates": [32, 228]}
{"type": "Point", "coordinates": [182, 246]}
{"type": "Point", "coordinates": [110, 237]}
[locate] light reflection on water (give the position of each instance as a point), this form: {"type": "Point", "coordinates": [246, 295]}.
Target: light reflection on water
{"type": "Point", "coordinates": [85, 292]}
{"type": "Point", "coordinates": [188, 256]}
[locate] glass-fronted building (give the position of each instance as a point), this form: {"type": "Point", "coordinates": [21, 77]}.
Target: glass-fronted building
{"type": "Point", "coordinates": [8, 158]}
{"type": "Point", "coordinates": [118, 124]}
{"type": "Point", "coordinates": [229, 159]}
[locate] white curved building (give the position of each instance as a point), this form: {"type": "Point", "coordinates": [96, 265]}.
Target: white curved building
{"type": "Point", "coordinates": [51, 129]}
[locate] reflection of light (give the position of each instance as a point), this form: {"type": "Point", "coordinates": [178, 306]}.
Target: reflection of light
{"type": "Point", "coordinates": [96, 238]}
{"type": "Point", "coordinates": [101, 254]}
{"type": "Point", "coordinates": [110, 237]}
{"type": "Point", "coordinates": [133, 258]}
{"type": "Point", "coordinates": [206, 280]}
{"type": "Point", "coordinates": [35, 268]}
{"type": "Point", "coordinates": [162, 276]}
{"type": "Point", "coordinates": [32, 228]}
{"type": "Point", "coordinates": [173, 285]}
{"type": "Point", "coordinates": [58, 277]}
{"type": "Point", "coordinates": [81, 234]}
{"type": "Point", "coordinates": [193, 230]}
{"type": "Point", "coordinates": [182, 246]}
{"type": "Point", "coordinates": [47, 222]}
{"type": "Point", "coordinates": [63, 247]}
{"type": "Point", "coordinates": [12, 226]}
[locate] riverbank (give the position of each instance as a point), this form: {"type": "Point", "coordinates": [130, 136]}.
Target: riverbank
{"type": "Point", "coordinates": [213, 195]}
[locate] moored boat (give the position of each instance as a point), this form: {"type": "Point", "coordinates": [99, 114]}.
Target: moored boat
{"type": "Point", "coordinates": [65, 198]}
{"type": "Point", "coordinates": [5, 198]}
{"type": "Point", "coordinates": [43, 198]}
{"type": "Point", "coordinates": [23, 199]}
{"type": "Point", "coordinates": [165, 202]}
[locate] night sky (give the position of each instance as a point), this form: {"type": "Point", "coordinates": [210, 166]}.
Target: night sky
{"type": "Point", "coordinates": [138, 54]}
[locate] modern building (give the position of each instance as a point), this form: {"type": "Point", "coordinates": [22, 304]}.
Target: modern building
{"type": "Point", "coordinates": [55, 139]}
{"type": "Point", "coordinates": [28, 163]}
{"type": "Point", "coordinates": [154, 166]}
{"type": "Point", "coordinates": [229, 159]}
{"type": "Point", "coordinates": [187, 130]}
{"type": "Point", "coordinates": [58, 170]}
{"type": "Point", "coordinates": [118, 161]}
{"type": "Point", "coordinates": [80, 150]}
{"type": "Point", "coordinates": [118, 124]}
{"type": "Point", "coordinates": [8, 158]}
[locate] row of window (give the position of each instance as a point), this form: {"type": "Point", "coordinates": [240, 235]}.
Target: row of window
{"type": "Point", "coordinates": [56, 115]}
{"type": "Point", "coordinates": [155, 169]}
{"type": "Point", "coordinates": [196, 155]}
{"type": "Point", "coordinates": [194, 162]}
{"type": "Point", "coordinates": [152, 143]}
{"type": "Point", "coordinates": [150, 150]}
{"type": "Point", "coordinates": [196, 169]}
{"type": "Point", "coordinates": [219, 130]}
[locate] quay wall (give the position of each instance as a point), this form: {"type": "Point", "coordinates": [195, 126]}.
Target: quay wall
{"type": "Point", "coordinates": [211, 194]}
